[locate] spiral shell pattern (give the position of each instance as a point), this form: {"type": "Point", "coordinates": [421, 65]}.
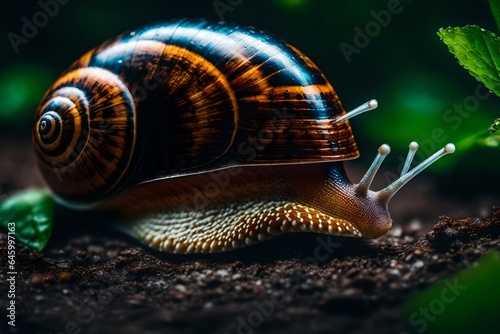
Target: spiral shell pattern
{"type": "Point", "coordinates": [84, 134]}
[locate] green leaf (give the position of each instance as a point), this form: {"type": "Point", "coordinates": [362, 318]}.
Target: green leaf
{"type": "Point", "coordinates": [495, 10]}
{"type": "Point", "coordinates": [495, 126]}
{"type": "Point", "coordinates": [30, 215]}
{"type": "Point", "coordinates": [478, 51]}
{"type": "Point", "coordinates": [490, 141]}
{"type": "Point", "coordinates": [483, 138]}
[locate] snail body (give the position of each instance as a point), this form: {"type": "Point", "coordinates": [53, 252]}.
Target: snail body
{"type": "Point", "coordinates": [208, 137]}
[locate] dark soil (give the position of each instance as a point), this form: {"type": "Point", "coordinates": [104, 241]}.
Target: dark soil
{"type": "Point", "coordinates": [92, 279]}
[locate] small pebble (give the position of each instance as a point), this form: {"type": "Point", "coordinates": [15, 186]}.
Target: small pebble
{"type": "Point", "coordinates": [414, 226]}
{"type": "Point", "coordinates": [63, 265]}
{"type": "Point", "coordinates": [394, 272]}
{"type": "Point", "coordinates": [222, 273]}
{"type": "Point", "coordinates": [37, 279]}
{"type": "Point", "coordinates": [407, 239]}
{"type": "Point", "coordinates": [64, 276]}
{"type": "Point", "coordinates": [181, 288]}
{"type": "Point", "coordinates": [397, 231]}
{"type": "Point", "coordinates": [418, 264]}
{"type": "Point", "coordinates": [352, 292]}
{"type": "Point", "coordinates": [419, 251]}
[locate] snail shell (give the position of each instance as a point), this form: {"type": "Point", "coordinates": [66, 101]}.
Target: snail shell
{"type": "Point", "coordinates": [207, 137]}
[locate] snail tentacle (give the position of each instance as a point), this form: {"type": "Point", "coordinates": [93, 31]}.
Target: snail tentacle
{"type": "Point", "coordinates": [387, 193]}
{"type": "Point", "coordinates": [367, 106]}
{"type": "Point", "coordinates": [413, 147]}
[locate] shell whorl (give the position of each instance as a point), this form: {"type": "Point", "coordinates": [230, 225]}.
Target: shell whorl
{"type": "Point", "coordinates": [84, 134]}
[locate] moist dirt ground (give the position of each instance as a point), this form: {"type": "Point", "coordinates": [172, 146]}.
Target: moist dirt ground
{"type": "Point", "coordinates": [93, 279]}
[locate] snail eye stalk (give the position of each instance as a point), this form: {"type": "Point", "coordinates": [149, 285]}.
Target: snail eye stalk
{"type": "Point", "coordinates": [409, 158]}
{"type": "Point", "coordinates": [367, 106]}
{"type": "Point", "coordinates": [364, 185]}
{"type": "Point", "coordinates": [389, 191]}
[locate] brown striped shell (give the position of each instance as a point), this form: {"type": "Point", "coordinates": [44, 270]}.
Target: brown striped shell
{"type": "Point", "coordinates": [183, 98]}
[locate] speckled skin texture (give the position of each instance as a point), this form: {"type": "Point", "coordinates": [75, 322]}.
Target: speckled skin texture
{"type": "Point", "coordinates": [231, 208]}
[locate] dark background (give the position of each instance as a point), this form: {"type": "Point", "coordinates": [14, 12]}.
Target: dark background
{"type": "Point", "coordinates": [405, 66]}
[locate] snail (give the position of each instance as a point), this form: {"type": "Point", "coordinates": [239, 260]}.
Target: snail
{"type": "Point", "coordinates": [206, 137]}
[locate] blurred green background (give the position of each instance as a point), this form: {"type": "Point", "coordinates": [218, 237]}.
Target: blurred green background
{"type": "Point", "coordinates": [404, 65]}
